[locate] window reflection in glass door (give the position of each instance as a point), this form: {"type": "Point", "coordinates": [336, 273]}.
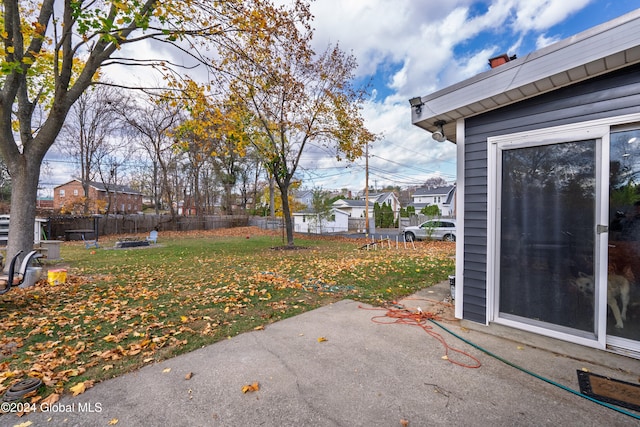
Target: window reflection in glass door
{"type": "Point", "coordinates": [623, 302]}
{"type": "Point", "coordinates": [547, 222]}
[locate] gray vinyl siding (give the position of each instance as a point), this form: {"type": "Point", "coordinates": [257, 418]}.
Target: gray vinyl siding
{"type": "Point", "coordinates": [615, 94]}
{"type": "Point", "coordinates": [475, 228]}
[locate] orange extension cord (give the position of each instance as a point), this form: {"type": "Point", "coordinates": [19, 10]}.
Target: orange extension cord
{"type": "Point", "coordinates": [404, 316]}
{"type": "Point", "coordinates": [419, 318]}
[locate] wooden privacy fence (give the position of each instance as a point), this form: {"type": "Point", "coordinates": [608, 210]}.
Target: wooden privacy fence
{"type": "Point", "coordinates": [72, 227]}
{"type": "Point", "coordinates": [62, 227]}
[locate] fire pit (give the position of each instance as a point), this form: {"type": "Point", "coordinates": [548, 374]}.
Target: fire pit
{"type": "Point", "coordinates": [131, 243]}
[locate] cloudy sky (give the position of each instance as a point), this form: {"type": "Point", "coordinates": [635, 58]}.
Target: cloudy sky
{"type": "Point", "coordinates": [414, 47]}
{"type": "Point", "coordinates": [409, 48]}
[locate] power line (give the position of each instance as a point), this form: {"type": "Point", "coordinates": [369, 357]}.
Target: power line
{"type": "Point", "coordinates": [75, 162]}
{"type": "Point", "coordinates": [413, 167]}
{"type": "Point", "coordinates": [416, 152]}
{"type": "Point", "coordinates": [405, 166]}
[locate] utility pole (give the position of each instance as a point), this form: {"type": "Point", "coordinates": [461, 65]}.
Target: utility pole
{"type": "Point", "coordinates": [366, 191]}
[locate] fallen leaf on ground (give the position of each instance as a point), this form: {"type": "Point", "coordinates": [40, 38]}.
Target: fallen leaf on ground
{"type": "Point", "coordinates": [404, 423]}
{"type": "Point", "coordinates": [188, 376]}
{"type": "Point", "coordinates": [166, 370]}
{"type": "Point", "coordinates": [24, 424]}
{"type": "Point", "coordinates": [113, 421]}
{"type": "Point", "coordinates": [50, 400]}
{"type": "Point", "coordinates": [78, 388]}
{"type": "Point", "coordinates": [31, 395]}
{"type": "Point", "coordinates": [251, 387]}
{"type": "Point", "coordinates": [110, 338]}
{"type": "Point", "coordinates": [322, 339]}
{"type": "Point", "coordinates": [259, 328]}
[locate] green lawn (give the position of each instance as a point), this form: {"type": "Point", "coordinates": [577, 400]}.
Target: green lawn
{"type": "Point", "coordinates": [121, 309]}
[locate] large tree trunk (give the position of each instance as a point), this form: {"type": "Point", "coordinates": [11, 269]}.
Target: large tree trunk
{"type": "Point", "coordinates": [156, 193]}
{"type": "Point", "coordinates": [24, 191]}
{"type": "Point", "coordinates": [272, 198]}
{"type": "Point", "coordinates": [228, 197]}
{"type": "Point", "coordinates": [286, 212]}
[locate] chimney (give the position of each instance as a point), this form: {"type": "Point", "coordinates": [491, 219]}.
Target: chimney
{"type": "Point", "coordinates": [500, 59]}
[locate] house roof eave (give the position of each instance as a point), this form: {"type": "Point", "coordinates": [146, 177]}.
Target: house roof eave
{"type": "Point", "coordinates": [599, 50]}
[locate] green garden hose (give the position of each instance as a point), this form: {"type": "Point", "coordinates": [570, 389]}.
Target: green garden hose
{"type": "Point", "coordinates": [513, 365]}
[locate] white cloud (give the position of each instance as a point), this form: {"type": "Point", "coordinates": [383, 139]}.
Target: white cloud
{"type": "Point", "coordinates": [424, 36]}
{"type": "Point", "coordinates": [424, 40]}
{"type": "Point", "coordinates": [541, 15]}
{"type": "Point", "coordinates": [543, 41]}
{"type": "Point", "coordinates": [404, 155]}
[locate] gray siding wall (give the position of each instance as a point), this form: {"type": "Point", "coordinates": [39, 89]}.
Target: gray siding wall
{"type": "Point", "coordinates": [607, 96]}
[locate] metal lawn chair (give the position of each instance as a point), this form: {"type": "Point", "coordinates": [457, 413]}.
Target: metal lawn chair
{"type": "Point", "coordinates": [89, 243]}
{"type": "Point", "coordinates": [15, 278]}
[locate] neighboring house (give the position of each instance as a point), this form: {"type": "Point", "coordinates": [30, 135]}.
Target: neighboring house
{"type": "Point", "coordinates": [354, 208]}
{"type": "Point", "coordinates": [443, 197]}
{"type": "Point", "coordinates": [123, 198]}
{"type": "Point", "coordinates": [389, 198]}
{"type": "Point", "coordinates": [310, 222]}
{"type": "Point", "coordinates": [548, 146]}
{"type": "Point", "coordinates": [304, 197]}
{"type": "Point", "coordinates": [185, 207]}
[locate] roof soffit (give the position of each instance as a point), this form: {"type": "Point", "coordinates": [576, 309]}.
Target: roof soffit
{"type": "Point", "coordinates": [604, 48]}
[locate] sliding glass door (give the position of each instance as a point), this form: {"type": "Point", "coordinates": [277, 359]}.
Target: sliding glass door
{"type": "Point", "coordinates": [546, 227]}
{"type": "Point", "coordinates": [565, 210]}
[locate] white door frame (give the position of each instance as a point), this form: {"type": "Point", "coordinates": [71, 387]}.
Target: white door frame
{"type": "Point", "coordinates": [598, 130]}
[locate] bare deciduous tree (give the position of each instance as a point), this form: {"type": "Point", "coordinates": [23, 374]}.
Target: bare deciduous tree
{"type": "Point", "coordinates": [151, 125]}
{"type": "Point", "coordinates": [90, 132]}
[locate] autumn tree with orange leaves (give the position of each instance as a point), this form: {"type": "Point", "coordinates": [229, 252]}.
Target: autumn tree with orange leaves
{"type": "Point", "coordinates": [296, 98]}
{"type": "Point", "coordinates": [53, 35]}
{"type": "Point", "coordinates": [214, 134]}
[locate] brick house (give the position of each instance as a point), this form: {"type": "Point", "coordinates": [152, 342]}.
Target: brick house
{"type": "Point", "coordinates": [123, 198]}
